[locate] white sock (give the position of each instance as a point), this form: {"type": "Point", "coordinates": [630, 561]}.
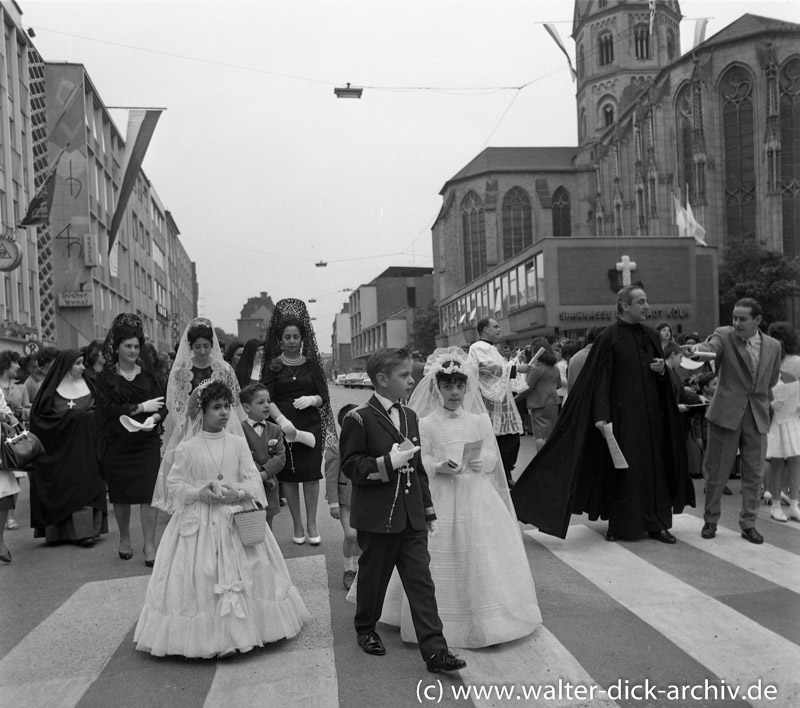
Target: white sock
{"type": "Point", "coordinates": [776, 504]}
{"type": "Point", "coordinates": [349, 563]}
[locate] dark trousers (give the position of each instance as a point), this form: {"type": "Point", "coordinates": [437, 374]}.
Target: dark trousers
{"type": "Point", "coordinates": [509, 449]}
{"type": "Point", "coordinates": [408, 551]}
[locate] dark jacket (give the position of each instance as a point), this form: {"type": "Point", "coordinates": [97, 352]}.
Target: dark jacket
{"type": "Point", "coordinates": [382, 505]}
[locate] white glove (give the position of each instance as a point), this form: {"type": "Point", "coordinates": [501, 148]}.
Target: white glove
{"type": "Point", "coordinates": [305, 402]}
{"type": "Point", "coordinates": [286, 426]}
{"type": "Point", "coordinates": [431, 526]}
{"type": "Point", "coordinates": [446, 468]}
{"type": "Point", "coordinates": [149, 423]}
{"type": "Point", "coordinates": [152, 405]}
{"type": "Point", "coordinates": [401, 457]}
{"type": "Point", "coordinates": [476, 465]}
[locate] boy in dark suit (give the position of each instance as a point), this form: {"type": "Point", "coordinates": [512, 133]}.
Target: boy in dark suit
{"type": "Point", "coordinates": [391, 509]}
{"type": "Point", "coordinates": [265, 440]}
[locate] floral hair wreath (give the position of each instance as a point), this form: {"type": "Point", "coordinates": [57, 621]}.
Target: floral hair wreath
{"type": "Point", "coordinates": [451, 360]}
{"type": "Point", "coordinates": [194, 400]}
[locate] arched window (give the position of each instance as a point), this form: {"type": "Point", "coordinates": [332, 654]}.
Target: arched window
{"type": "Point", "coordinates": [582, 124]}
{"type": "Point", "coordinates": [670, 44]}
{"type": "Point", "coordinates": [789, 82]}
{"type": "Point", "coordinates": [736, 96]}
{"type": "Point", "coordinates": [605, 48]}
{"type": "Point", "coordinates": [603, 3]}
{"type": "Point", "coordinates": [608, 115]}
{"type": "Point", "coordinates": [683, 110]}
{"type": "Point", "coordinates": [580, 62]}
{"type": "Point", "coordinates": [473, 222]}
{"type": "Point", "coordinates": [641, 37]}
{"type": "Point", "coordinates": [517, 222]}
{"type": "Point", "coordinates": [562, 225]}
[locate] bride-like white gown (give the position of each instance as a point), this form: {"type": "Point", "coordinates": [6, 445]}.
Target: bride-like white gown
{"type": "Point", "coordinates": [209, 594]}
{"type": "Point", "coordinates": [484, 587]}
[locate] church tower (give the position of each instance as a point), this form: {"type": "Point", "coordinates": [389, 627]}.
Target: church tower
{"type": "Point", "coordinates": [616, 54]}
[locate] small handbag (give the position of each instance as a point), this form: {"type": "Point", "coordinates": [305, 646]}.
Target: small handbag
{"type": "Point", "coordinates": [21, 449]}
{"type": "Point", "coordinates": [251, 525]}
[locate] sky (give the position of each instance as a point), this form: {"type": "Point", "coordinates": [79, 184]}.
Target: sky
{"type": "Point", "coordinates": [267, 173]}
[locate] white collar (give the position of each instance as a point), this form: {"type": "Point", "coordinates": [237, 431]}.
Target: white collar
{"type": "Point", "coordinates": [385, 402]}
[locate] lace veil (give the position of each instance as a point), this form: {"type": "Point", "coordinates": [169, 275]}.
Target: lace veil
{"type": "Point", "coordinates": [294, 308]}
{"type": "Point", "coordinates": [179, 425]}
{"type": "Point", "coordinates": [427, 399]}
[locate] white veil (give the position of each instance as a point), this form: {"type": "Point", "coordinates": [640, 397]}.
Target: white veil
{"type": "Point", "coordinates": [427, 399]}
{"type": "Point", "coordinates": [178, 425]}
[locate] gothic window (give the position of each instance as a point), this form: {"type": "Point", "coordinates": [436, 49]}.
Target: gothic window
{"type": "Point", "coordinates": [583, 123]}
{"type": "Point", "coordinates": [608, 116]}
{"type": "Point", "coordinates": [685, 152]}
{"type": "Point", "coordinates": [641, 37]}
{"type": "Point", "coordinates": [473, 222]}
{"type": "Point", "coordinates": [517, 222]}
{"type": "Point", "coordinates": [605, 48]}
{"type": "Point", "coordinates": [736, 95]}
{"type": "Point", "coordinates": [670, 45]}
{"type": "Point", "coordinates": [580, 62]}
{"type": "Point", "coordinates": [603, 3]}
{"type": "Point", "coordinates": [562, 226]}
{"type": "Point", "coordinates": [790, 155]}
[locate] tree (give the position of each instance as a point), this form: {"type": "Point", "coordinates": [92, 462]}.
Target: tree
{"type": "Point", "coordinates": [224, 338]}
{"type": "Point", "coordinates": [751, 270]}
{"type": "Point", "coordinates": [426, 327]}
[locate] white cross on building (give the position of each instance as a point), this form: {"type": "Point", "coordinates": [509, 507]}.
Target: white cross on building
{"type": "Point", "coordinates": [626, 266]}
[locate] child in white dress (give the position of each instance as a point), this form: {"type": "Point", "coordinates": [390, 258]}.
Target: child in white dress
{"type": "Point", "coordinates": [484, 589]}
{"type": "Point", "coordinates": [210, 595]}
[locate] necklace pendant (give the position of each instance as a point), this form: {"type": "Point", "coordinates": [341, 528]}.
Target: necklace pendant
{"type": "Point", "coordinates": [219, 476]}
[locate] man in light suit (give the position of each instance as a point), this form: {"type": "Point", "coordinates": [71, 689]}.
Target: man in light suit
{"type": "Point", "coordinates": [748, 366]}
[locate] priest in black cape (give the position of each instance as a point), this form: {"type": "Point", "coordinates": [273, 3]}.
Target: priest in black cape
{"type": "Point", "coordinates": [622, 382]}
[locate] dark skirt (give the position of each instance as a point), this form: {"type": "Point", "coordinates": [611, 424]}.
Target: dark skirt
{"type": "Point", "coordinates": [131, 468]}
{"type": "Point", "coordinates": [87, 523]}
{"type": "Point", "coordinates": [303, 464]}
{"type": "Point", "coordinates": [8, 503]}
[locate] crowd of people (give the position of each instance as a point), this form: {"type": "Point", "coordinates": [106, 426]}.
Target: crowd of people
{"type": "Point", "coordinates": [420, 478]}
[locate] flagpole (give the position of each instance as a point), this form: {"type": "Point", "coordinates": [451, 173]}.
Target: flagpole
{"type": "Point", "coordinates": [135, 108]}
{"type": "Point", "coordinates": [67, 106]}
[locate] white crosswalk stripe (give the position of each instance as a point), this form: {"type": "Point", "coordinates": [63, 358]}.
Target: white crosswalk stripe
{"type": "Point", "coordinates": [56, 664]}
{"type": "Point", "coordinates": [722, 639]}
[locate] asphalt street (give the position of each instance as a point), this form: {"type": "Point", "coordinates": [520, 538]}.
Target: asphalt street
{"type": "Point", "coordinates": [636, 623]}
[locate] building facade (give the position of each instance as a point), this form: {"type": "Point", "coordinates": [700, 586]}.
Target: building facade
{"type": "Point", "coordinates": [719, 127]}
{"type": "Point", "coordinates": [382, 311]}
{"type": "Point", "coordinates": [341, 347]}
{"type": "Point", "coordinates": [254, 317]}
{"type": "Point", "coordinates": [20, 86]}
{"type": "Point", "coordinates": [84, 285]}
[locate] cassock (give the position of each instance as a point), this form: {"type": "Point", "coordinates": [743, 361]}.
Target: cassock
{"type": "Point", "coordinates": [573, 472]}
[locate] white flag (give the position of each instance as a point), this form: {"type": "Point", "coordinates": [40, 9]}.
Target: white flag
{"type": "Point", "coordinates": [700, 31]}
{"type": "Point", "coordinates": [553, 32]}
{"type": "Point", "coordinates": [680, 218]}
{"type": "Point", "coordinates": [693, 227]}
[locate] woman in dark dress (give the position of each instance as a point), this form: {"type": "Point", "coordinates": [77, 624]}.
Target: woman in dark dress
{"type": "Point", "coordinates": [296, 383]}
{"type": "Point", "coordinates": [68, 495]}
{"type": "Point", "coordinates": [129, 415]}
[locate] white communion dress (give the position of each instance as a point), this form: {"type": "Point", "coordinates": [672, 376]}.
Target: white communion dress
{"type": "Point", "coordinates": [209, 595]}
{"type": "Point", "coordinates": [484, 587]}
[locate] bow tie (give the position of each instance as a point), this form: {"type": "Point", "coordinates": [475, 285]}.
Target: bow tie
{"type": "Point", "coordinates": [262, 424]}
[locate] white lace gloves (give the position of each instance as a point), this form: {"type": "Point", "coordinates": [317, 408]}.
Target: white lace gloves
{"type": "Point", "coordinates": [216, 493]}
{"type": "Point", "coordinates": [304, 402]}
{"type": "Point", "coordinates": [152, 405]}
{"type": "Point", "coordinates": [286, 426]}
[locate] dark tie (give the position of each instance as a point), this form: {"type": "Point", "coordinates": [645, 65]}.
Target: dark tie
{"type": "Point", "coordinates": [262, 424]}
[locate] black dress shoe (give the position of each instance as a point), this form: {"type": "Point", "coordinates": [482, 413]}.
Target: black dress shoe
{"type": "Point", "coordinates": [752, 535]}
{"type": "Point", "coordinates": [5, 557]}
{"type": "Point", "coordinates": [371, 643]}
{"type": "Point", "coordinates": [444, 660]}
{"type": "Point", "coordinates": [709, 530]}
{"type": "Point", "coordinates": [727, 491]}
{"type": "Point", "coordinates": [612, 535]}
{"type": "Point", "coordinates": [664, 536]}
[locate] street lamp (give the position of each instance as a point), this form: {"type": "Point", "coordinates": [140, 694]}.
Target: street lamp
{"type": "Point", "coordinates": [348, 92]}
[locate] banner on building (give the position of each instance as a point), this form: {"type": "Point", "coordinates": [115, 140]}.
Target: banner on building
{"type": "Point", "coordinates": [553, 32]}
{"type": "Point", "coordinates": [141, 124]}
{"type": "Point", "coordinates": [39, 208]}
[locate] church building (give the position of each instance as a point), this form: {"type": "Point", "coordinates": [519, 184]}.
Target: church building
{"type": "Point", "coordinates": [541, 238]}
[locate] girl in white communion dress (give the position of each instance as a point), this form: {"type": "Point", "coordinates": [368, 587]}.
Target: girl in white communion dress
{"type": "Point", "coordinates": [484, 589]}
{"type": "Point", "coordinates": [209, 594]}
